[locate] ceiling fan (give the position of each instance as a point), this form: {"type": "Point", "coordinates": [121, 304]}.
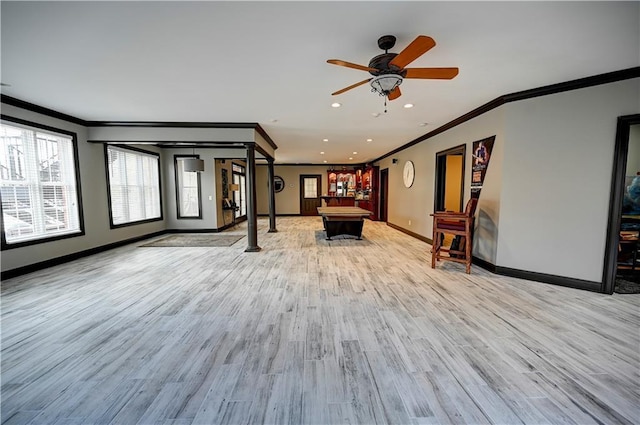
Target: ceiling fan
{"type": "Point", "coordinates": [388, 69]}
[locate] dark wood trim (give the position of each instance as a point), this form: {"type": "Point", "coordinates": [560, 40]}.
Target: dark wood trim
{"type": "Point", "coordinates": [76, 163]}
{"type": "Point", "coordinates": [484, 264]}
{"type": "Point", "coordinates": [609, 77]}
{"type": "Point", "coordinates": [251, 203]}
{"type": "Point", "coordinates": [72, 257]}
{"type": "Point", "coordinates": [328, 166]}
{"type": "Point", "coordinates": [618, 172]}
{"type": "Point", "coordinates": [184, 124]}
{"type": "Point", "coordinates": [440, 173]}
{"type": "Point", "coordinates": [174, 124]}
{"type": "Point", "coordinates": [176, 157]}
{"type": "Point", "coordinates": [8, 100]}
{"type": "Point", "coordinates": [580, 83]}
{"type": "Point", "coordinates": [266, 137]}
{"type": "Point", "coordinates": [538, 277]}
{"type": "Point", "coordinates": [186, 144]}
{"type": "Point", "coordinates": [19, 271]}
{"type": "Point", "coordinates": [301, 197]}
{"type": "Point", "coordinates": [550, 278]}
{"type": "Point", "coordinates": [272, 197]}
{"type": "Point", "coordinates": [410, 233]}
{"type": "Point", "coordinates": [521, 274]}
{"type": "Point", "coordinates": [267, 156]}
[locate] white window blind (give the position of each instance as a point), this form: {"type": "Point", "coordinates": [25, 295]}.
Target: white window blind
{"type": "Point", "coordinates": [188, 192]}
{"type": "Point", "coordinates": [39, 193]}
{"type": "Point", "coordinates": [134, 185]}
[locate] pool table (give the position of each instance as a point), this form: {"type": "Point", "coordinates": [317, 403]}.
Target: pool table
{"type": "Point", "coordinates": [343, 221]}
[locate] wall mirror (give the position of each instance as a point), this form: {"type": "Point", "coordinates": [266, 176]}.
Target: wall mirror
{"type": "Point", "coordinates": [278, 184]}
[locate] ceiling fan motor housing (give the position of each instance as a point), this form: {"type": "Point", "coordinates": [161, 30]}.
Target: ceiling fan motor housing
{"type": "Point", "coordinates": [381, 63]}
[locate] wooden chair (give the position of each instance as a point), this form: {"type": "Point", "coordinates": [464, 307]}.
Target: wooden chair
{"type": "Point", "coordinates": [456, 224]}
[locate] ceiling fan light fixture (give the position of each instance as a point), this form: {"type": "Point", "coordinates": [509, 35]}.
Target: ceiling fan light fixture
{"type": "Point", "coordinates": [384, 84]}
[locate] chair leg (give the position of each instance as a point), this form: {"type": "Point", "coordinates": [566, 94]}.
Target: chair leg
{"type": "Point", "coordinates": [467, 253]}
{"type": "Point", "coordinates": [434, 249]}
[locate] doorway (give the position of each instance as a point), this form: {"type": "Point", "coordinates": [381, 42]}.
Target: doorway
{"type": "Point", "coordinates": [384, 194]}
{"type": "Point", "coordinates": [449, 191]}
{"type": "Point", "coordinates": [619, 216]}
{"type": "Point", "coordinates": [240, 191]}
{"type": "Point", "coordinates": [310, 188]}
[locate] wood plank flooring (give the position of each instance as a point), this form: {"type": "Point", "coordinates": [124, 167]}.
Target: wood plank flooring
{"type": "Point", "coordinates": [310, 331]}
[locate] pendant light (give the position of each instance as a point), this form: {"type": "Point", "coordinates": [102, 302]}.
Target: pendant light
{"type": "Point", "coordinates": [193, 164]}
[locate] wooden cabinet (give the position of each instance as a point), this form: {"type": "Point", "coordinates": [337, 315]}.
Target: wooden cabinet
{"type": "Point", "coordinates": [342, 183]}
{"type": "Point", "coordinates": [368, 195]}
{"type": "Point", "coordinates": [360, 186]}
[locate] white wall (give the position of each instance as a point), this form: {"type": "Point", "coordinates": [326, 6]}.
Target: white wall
{"type": "Point", "coordinates": [558, 161]}
{"type": "Point", "coordinates": [413, 205]}
{"type": "Point", "coordinates": [209, 184]}
{"type": "Point", "coordinates": [94, 199]}
{"type": "Point", "coordinates": [287, 201]}
{"type": "Point", "coordinates": [171, 134]}
{"type": "Point", "coordinates": [262, 142]}
{"type": "Point", "coordinates": [633, 157]}
{"type": "Point", "coordinates": [94, 186]}
{"type": "Point", "coordinates": [544, 204]}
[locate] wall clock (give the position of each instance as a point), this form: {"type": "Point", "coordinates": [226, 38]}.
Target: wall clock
{"type": "Point", "coordinates": [408, 174]}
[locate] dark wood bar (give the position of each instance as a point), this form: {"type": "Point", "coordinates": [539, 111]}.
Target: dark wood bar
{"type": "Point", "coordinates": [339, 201]}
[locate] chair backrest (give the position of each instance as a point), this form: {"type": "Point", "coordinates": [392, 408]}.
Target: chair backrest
{"type": "Point", "coordinates": [470, 209]}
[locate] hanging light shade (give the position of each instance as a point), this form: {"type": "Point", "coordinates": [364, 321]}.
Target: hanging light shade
{"type": "Point", "coordinates": [385, 83]}
{"type": "Point", "coordinates": [193, 164]}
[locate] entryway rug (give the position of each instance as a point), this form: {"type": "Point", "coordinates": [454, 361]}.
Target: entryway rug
{"type": "Point", "coordinates": [196, 240]}
{"type": "Point", "coordinates": [627, 285]}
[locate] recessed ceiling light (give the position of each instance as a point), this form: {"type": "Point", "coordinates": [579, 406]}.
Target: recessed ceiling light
{"type": "Point", "coordinates": [321, 153]}
{"type": "Point", "coordinates": [355, 153]}
{"type": "Point", "coordinates": [375, 114]}
{"type": "Point", "coordinates": [325, 161]}
{"type": "Point", "coordinates": [350, 157]}
{"type": "Point", "coordinates": [423, 124]}
{"type": "Point", "coordinates": [336, 105]}
{"type": "Point", "coordinates": [325, 140]}
{"type": "Point", "coordinates": [408, 105]}
{"type": "Point", "coordinates": [369, 140]}
{"type": "Point", "coordinates": [273, 120]}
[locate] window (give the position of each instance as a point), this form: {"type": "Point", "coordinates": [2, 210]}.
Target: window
{"type": "Point", "coordinates": [311, 187]}
{"type": "Point", "coordinates": [239, 196]}
{"type": "Point", "coordinates": [133, 177]}
{"type": "Point", "coordinates": [187, 189]}
{"type": "Point", "coordinates": [40, 187]}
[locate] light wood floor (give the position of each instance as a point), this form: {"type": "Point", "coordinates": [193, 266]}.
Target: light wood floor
{"type": "Point", "coordinates": [310, 331]}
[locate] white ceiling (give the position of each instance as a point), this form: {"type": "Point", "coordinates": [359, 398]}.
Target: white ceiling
{"type": "Point", "coordinates": [265, 61]}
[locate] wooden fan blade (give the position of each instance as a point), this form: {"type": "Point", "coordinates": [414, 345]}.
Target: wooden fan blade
{"type": "Point", "coordinates": [351, 65]}
{"type": "Point", "coordinates": [395, 93]}
{"type": "Point", "coordinates": [413, 51]}
{"type": "Point", "coordinates": [432, 73]}
{"type": "Point", "coordinates": [352, 86]}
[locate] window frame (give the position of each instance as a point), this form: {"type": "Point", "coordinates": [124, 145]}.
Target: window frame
{"type": "Point", "coordinates": [106, 168]}
{"type": "Point", "coordinates": [4, 245]}
{"type": "Point", "coordinates": [241, 203]}
{"type": "Point", "coordinates": [176, 158]}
